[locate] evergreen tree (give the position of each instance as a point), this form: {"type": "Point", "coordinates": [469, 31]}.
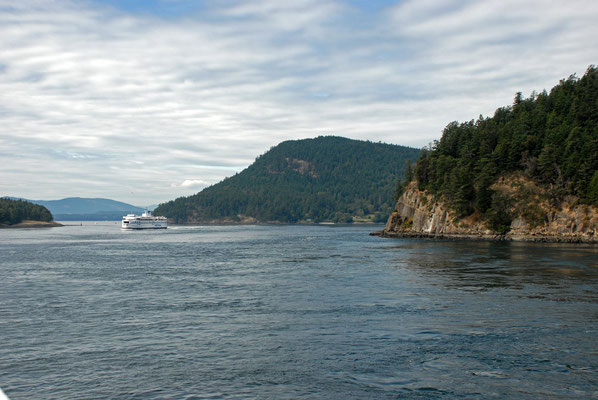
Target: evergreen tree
{"type": "Point", "coordinates": [592, 193]}
{"type": "Point", "coordinates": [16, 211]}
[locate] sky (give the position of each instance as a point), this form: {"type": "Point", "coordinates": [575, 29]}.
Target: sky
{"type": "Point", "coordinates": [149, 100]}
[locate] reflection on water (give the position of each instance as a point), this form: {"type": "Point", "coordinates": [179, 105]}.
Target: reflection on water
{"type": "Point", "coordinates": [486, 265]}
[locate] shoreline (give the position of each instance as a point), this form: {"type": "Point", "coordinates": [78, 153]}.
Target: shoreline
{"type": "Point", "coordinates": [489, 238]}
{"type": "Point", "coordinates": [227, 223]}
{"type": "Point", "coordinates": [32, 224]}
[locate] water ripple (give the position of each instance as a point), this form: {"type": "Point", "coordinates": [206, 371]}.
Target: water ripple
{"type": "Point", "coordinates": [291, 312]}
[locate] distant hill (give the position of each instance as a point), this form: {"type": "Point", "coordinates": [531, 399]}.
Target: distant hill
{"type": "Point", "coordinates": [87, 209]}
{"type": "Point", "coordinates": [328, 178]}
{"type": "Point", "coordinates": [13, 212]}
{"type": "Point", "coordinates": [151, 207]}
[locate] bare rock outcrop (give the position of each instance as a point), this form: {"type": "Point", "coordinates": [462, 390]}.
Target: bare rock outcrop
{"type": "Point", "coordinates": [534, 218]}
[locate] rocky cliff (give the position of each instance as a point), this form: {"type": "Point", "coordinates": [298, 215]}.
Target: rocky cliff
{"type": "Point", "coordinates": [532, 213]}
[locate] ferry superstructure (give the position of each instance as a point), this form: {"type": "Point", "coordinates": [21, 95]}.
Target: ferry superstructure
{"type": "Point", "coordinates": [144, 221]}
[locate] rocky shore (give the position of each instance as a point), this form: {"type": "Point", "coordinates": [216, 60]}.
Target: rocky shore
{"type": "Point", "coordinates": [418, 214]}
{"type": "Point", "coordinates": [480, 237]}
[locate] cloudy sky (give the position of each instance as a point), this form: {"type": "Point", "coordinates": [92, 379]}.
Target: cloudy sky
{"type": "Point", "coordinates": [145, 101]}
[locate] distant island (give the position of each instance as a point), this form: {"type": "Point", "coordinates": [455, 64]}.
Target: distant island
{"type": "Point", "coordinates": [530, 172]}
{"type": "Point", "coordinates": [23, 214]}
{"type": "Point", "coordinates": [87, 209]}
{"type": "Point", "coordinates": [325, 179]}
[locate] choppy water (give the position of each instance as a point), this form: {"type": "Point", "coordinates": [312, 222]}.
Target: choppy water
{"type": "Point", "coordinates": [286, 312]}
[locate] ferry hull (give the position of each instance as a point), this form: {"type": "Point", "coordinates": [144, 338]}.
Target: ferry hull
{"type": "Point", "coordinates": [132, 226]}
{"type": "Point", "coordinates": [145, 221]}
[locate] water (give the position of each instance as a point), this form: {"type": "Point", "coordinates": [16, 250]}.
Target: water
{"type": "Point", "coordinates": [287, 312]}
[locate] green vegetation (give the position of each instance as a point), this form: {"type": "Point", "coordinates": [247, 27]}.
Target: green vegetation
{"type": "Point", "coordinates": [551, 138]}
{"type": "Point", "coordinates": [15, 211]}
{"type": "Point", "coordinates": [87, 209]}
{"type": "Point", "coordinates": [323, 179]}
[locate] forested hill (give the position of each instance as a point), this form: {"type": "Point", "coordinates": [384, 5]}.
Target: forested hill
{"type": "Point", "coordinates": [323, 179]}
{"type": "Point", "coordinates": [549, 140]}
{"type": "Point", "coordinates": [16, 211]}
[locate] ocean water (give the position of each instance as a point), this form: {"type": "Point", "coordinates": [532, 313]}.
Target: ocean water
{"type": "Point", "coordinates": [292, 312]}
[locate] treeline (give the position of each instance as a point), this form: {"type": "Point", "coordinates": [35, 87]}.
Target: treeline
{"type": "Point", "coordinates": [15, 211]}
{"type": "Point", "coordinates": [323, 179]}
{"type": "Point", "coordinates": [552, 138]}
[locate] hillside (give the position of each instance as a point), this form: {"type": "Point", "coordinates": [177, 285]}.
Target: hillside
{"type": "Point", "coordinates": [530, 171]}
{"type": "Point", "coordinates": [323, 179]}
{"type": "Point", "coordinates": [87, 209]}
{"type": "Point", "coordinates": [14, 212]}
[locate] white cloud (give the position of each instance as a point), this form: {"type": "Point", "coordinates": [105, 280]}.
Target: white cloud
{"type": "Point", "coordinates": [192, 183]}
{"type": "Point", "coordinates": [87, 90]}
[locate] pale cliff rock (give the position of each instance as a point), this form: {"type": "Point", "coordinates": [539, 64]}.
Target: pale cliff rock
{"type": "Point", "coordinates": [420, 214]}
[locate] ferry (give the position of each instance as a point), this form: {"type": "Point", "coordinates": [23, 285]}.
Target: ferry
{"type": "Point", "coordinates": [144, 221]}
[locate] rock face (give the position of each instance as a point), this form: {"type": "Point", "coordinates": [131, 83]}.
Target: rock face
{"type": "Point", "coordinates": [419, 214]}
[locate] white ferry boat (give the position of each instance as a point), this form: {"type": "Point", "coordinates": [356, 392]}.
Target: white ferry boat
{"type": "Point", "coordinates": [144, 221]}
